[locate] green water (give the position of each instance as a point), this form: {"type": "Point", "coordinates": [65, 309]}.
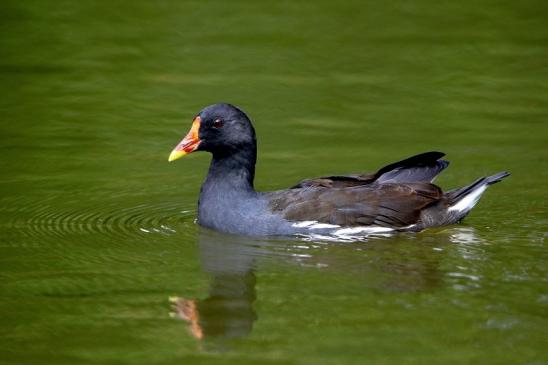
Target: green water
{"type": "Point", "coordinates": [101, 261]}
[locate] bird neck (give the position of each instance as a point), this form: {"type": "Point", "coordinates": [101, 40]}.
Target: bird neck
{"type": "Point", "coordinates": [234, 171]}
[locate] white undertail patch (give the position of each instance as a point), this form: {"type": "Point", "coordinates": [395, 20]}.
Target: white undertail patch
{"type": "Point", "coordinates": [468, 201]}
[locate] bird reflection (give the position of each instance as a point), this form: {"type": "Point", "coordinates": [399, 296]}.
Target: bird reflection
{"type": "Point", "coordinates": [227, 312]}
{"type": "Point", "coordinates": [404, 263]}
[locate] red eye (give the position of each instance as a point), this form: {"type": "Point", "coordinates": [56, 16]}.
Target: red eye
{"type": "Point", "coordinates": [218, 123]}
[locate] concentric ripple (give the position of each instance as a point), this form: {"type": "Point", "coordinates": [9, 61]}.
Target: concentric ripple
{"type": "Point", "coordinates": [52, 218]}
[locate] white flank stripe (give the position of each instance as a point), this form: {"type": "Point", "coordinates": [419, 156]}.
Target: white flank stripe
{"type": "Point", "coordinates": [468, 201]}
{"type": "Point", "coordinates": [408, 227]}
{"type": "Point", "coordinates": [348, 233]}
{"type": "Point", "coordinates": [314, 225]}
{"type": "Point", "coordinates": [361, 230]}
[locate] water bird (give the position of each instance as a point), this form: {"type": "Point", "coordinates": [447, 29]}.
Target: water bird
{"type": "Point", "coordinates": [398, 197]}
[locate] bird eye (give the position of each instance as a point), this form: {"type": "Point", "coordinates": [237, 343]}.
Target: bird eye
{"type": "Point", "coordinates": [218, 123]}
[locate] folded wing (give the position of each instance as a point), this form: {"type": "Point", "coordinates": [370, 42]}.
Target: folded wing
{"type": "Point", "coordinates": [419, 168]}
{"type": "Point", "coordinates": [387, 204]}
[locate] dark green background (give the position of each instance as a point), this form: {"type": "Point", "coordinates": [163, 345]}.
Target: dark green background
{"type": "Point", "coordinates": [97, 229]}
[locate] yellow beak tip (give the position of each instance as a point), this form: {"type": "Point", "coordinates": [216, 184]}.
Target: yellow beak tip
{"type": "Point", "coordinates": [174, 155]}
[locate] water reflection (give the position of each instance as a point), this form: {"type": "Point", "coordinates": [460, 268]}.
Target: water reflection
{"type": "Point", "coordinates": [401, 263]}
{"type": "Point", "coordinates": [464, 235]}
{"type": "Point", "coordinates": [227, 312]}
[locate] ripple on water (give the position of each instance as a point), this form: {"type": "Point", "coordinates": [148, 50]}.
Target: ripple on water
{"type": "Point", "coordinates": [109, 218]}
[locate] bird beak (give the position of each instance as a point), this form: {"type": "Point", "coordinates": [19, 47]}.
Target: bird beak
{"type": "Point", "coordinates": [189, 143]}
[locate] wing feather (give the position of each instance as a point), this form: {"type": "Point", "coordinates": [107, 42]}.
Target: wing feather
{"type": "Point", "coordinates": [423, 167]}
{"type": "Point", "coordinates": [394, 205]}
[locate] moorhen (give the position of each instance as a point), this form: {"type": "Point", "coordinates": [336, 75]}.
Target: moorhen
{"type": "Point", "coordinates": [398, 197]}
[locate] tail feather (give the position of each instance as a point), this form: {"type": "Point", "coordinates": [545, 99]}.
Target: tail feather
{"type": "Point", "coordinates": [457, 194]}
{"type": "Point", "coordinates": [490, 180]}
{"type": "Point", "coordinates": [462, 200]}
{"type": "Point", "coordinates": [457, 203]}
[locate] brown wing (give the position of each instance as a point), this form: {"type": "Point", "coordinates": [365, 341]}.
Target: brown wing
{"type": "Point", "coordinates": [393, 205]}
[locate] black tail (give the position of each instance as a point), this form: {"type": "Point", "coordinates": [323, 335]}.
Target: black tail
{"type": "Point", "coordinates": [496, 178]}
{"type": "Point", "coordinates": [461, 201]}
{"type": "Point", "coordinates": [455, 195]}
